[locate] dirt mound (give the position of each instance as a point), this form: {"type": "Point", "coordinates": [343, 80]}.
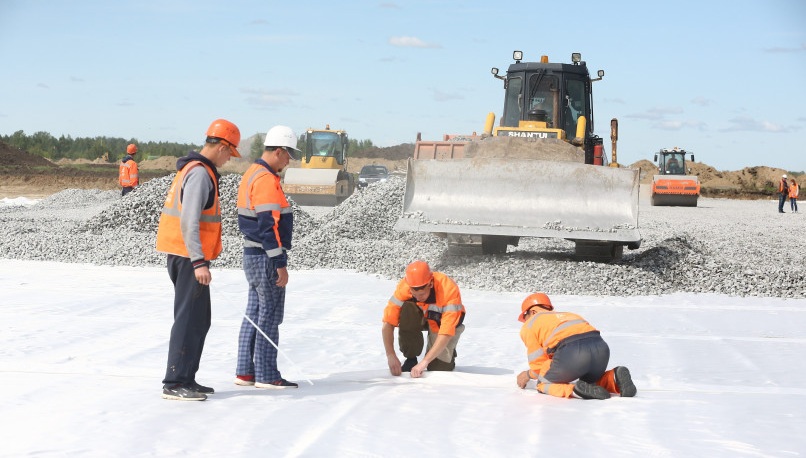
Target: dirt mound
{"type": "Point", "coordinates": [11, 158]}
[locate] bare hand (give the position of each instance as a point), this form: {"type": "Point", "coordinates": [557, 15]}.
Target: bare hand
{"type": "Point", "coordinates": [282, 277]}
{"type": "Point", "coordinates": [394, 364]}
{"type": "Point", "coordinates": [203, 275]}
{"type": "Point", "coordinates": [523, 379]}
{"type": "Point", "coordinates": [417, 371]}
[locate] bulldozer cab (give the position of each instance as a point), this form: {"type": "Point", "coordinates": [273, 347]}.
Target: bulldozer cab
{"type": "Point", "coordinates": [325, 148]}
{"type": "Point", "coordinates": [551, 93]}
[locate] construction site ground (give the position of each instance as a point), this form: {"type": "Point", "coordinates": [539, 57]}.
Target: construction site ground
{"type": "Point", "coordinates": [28, 175]}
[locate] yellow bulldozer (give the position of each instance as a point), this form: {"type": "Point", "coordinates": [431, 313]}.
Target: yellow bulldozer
{"type": "Point", "coordinates": [541, 173]}
{"type": "Point", "coordinates": [322, 178]}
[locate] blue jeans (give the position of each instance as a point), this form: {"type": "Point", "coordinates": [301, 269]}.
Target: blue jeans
{"type": "Point", "coordinates": [781, 200]}
{"type": "Point", "coordinates": [265, 306]}
{"type": "Point", "coordinates": [793, 202]}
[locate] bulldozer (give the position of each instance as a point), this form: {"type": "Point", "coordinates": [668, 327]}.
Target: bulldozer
{"type": "Point", "coordinates": [541, 173]}
{"type": "Point", "coordinates": [322, 178]}
{"type": "Point", "coordinates": [674, 184]}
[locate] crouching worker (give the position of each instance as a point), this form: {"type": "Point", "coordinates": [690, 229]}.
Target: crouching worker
{"type": "Point", "coordinates": [562, 347]}
{"type": "Point", "coordinates": [423, 301]}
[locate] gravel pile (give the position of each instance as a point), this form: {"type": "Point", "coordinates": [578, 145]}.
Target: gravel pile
{"type": "Point", "coordinates": [743, 248]}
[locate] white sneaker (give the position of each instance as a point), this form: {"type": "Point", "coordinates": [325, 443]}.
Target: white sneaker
{"type": "Point", "coordinates": [242, 382]}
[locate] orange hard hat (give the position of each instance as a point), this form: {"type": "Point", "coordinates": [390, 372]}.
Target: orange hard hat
{"type": "Point", "coordinates": [225, 130]}
{"type": "Point", "coordinates": [131, 149]}
{"type": "Point", "coordinates": [535, 299]}
{"type": "Point", "coordinates": [418, 274]}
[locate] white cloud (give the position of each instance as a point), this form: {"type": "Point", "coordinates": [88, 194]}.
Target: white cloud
{"type": "Point", "coordinates": [411, 42]}
{"type": "Point", "coordinates": [268, 99]}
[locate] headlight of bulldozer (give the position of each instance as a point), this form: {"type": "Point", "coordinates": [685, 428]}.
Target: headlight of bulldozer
{"type": "Point", "coordinates": [517, 55]}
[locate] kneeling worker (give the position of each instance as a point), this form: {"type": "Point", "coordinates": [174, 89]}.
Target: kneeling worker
{"type": "Point", "coordinates": [423, 301]}
{"type": "Point", "coordinates": [563, 347]}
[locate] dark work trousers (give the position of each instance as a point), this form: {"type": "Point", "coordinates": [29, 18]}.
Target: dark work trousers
{"type": "Point", "coordinates": [126, 190]}
{"type": "Point", "coordinates": [192, 314]}
{"type": "Point", "coordinates": [585, 359]}
{"type": "Point", "coordinates": [410, 334]}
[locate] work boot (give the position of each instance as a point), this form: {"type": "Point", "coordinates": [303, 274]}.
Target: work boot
{"type": "Point", "coordinates": [626, 387]}
{"type": "Point", "coordinates": [181, 393]}
{"type": "Point", "coordinates": [587, 390]}
{"type": "Point", "coordinates": [201, 388]}
{"type": "Point", "coordinates": [408, 364]}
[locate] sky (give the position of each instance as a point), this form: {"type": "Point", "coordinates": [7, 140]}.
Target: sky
{"type": "Point", "coordinates": [83, 351]}
{"type": "Point", "coordinates": [721, 79]}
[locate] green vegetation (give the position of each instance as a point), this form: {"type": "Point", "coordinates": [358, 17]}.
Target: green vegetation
{"type": "Point", "coordinates": [45, 145]}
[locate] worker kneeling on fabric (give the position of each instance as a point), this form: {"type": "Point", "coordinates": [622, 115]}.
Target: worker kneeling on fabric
{"type": "Point", "coordinates": [423, 301]}
{"type": "Point", "coordinates": [562, 347]}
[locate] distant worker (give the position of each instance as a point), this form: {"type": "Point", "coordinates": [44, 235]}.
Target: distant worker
{"type": "Point", "coordinates": [562, 347]}
{"type": "Point", "coordinates": [128, 175]}
{"type": "Point", "coordinates": [793, 194]}
{"type": "Point", "coordinates": [423, 301]}
{"type": "Point", "coordinates": [783, 193]}
{"type": "Point", "coordinates": [267, 221]}
{"type": "Point", "coordinates": [189, 233]}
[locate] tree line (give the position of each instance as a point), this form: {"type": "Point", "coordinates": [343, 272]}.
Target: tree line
{"type": "Point", "coordinates": [114, 148]}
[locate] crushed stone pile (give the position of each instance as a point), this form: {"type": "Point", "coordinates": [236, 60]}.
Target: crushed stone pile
{"type": "Point", "coordinates": [733, 247]}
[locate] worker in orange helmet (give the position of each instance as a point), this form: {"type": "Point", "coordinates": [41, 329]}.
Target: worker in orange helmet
{"type": "Point", "coordinates": [189, 232]}
{"type": "Point", "coordinates": [562, 347]}
{"type": "Point", "coordinates": [128, 175]}
{"type": "Point", "coordinates": [423, 301]}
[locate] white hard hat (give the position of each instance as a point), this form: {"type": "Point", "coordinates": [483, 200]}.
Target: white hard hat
{"type": "Point", "coordinates": [783, 176]}
{"type": "Point", "coordinates": [284, 137]}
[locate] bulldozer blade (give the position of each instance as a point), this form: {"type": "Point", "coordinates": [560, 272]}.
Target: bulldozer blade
{"type": "Point", "coordinates": [522, 197]}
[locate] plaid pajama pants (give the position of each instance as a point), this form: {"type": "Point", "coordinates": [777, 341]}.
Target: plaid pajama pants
{"type": "Point", "coordinates": [265, 306]}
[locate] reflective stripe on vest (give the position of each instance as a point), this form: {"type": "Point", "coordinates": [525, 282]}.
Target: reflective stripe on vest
{"type": "Point", "coordinates": [169, 232]}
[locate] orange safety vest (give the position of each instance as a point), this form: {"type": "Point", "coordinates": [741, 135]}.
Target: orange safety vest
{"type": "Point", "coordinates": [793, 191]}
{"type": "Point", "coordinates": [543, 332]}
{"type": "Point", "coordinates": [260, 192]}
{"type": "Point", "coordinates": [444, 315]}
{"type": "Point", "coordinates": [783, 187]}
{"type": "Point", "coordinates": [128, 175]}
{"type": "Point", "coordinates": [169, 233]}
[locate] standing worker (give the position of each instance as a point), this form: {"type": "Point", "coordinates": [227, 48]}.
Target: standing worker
{"type": "Point", "coordinates": [783, 193]}
{"type": "Point", "coordinates": [562, 347]}
{"type": "Point", "coordinates": [267, 221]}
{"type": "Point", "coordinates": [793, 194]}
{"type": "Point", "coordinates": [128, 175]}
{"type": "Point", "coordinates": [189, 233]}
{"type": "Point", "coordinates": [423, 300]}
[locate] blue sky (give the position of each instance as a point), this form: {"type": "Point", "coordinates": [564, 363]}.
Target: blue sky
{"type": "Point", "coordinates": [720, 78]}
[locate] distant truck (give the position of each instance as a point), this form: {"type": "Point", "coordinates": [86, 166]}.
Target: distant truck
{"type": "Point", "coordinates": [674, 185]}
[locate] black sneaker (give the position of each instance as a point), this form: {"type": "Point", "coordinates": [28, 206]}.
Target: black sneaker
{"type": "Point", "coordinates": [586, 390]}
{"type": "Point", "coordinates": [182, 393]}
{"type": "Point", "coordinates": [626, 387]}
{"type": "Point", "coordinates": [408, 364]}
{"type": "Point", "coordinates": [277, 384]}
{"type": "Point", "coordinates": [201, 388]}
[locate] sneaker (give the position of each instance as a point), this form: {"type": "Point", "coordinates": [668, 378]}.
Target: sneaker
{"type": "Point", "coordinates": [626, 387]}
{"type": "Point", "coordinates": [182, 393]}
{"type": "Point", "coordinates": [245, 380]}
{"type": "Point", "coordinates": [408, 364]}
{"type": "Point", "coordinates": [201, 388]}
{"type": "Point", "coordinates": [586, 390]}
{"type": "Point", "coordinates": [277, 384]}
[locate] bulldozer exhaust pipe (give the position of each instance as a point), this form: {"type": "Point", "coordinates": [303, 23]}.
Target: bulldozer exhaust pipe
{"type": "Point", "coordinates": [614, 139]}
